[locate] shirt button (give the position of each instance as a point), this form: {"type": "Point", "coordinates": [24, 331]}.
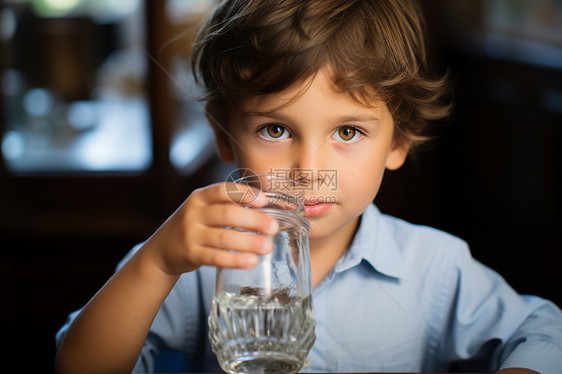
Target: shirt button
{"type": "Point", "coordinates": [306, 363]}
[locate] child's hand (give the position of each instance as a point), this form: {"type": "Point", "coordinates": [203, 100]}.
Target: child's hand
{"type": "Point", "coordinates": [197, 233]}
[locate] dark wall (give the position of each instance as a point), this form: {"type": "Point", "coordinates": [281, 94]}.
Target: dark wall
{"type": "Point", "coordinates": [59, 245]}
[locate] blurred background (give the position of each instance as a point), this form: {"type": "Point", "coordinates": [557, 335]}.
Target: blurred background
{"type": "Point", "coordinates": [101, 139]}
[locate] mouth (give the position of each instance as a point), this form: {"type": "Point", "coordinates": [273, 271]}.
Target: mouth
{"type": "Point", "coordinates": [316, 209]}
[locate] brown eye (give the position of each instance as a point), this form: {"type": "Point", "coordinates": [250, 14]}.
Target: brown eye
{"type": "Point", "coordinates": [275, 131]}
{"type": "Point", "coordinates": [346, 133]}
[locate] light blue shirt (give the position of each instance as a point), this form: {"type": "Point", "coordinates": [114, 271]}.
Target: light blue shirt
{"type": "Point", "coordinates": [403, 298]}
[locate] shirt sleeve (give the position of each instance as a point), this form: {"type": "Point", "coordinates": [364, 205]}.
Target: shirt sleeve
{"type": "Point", "coordinates": [490, 327]}
{"type": "Point", "coordinates": [176, 327]}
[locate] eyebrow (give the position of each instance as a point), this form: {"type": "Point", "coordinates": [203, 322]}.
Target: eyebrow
{"type": "Point", "coordinates": [359, 118]}
{"type": "Point", "coordinates": [350, 118]}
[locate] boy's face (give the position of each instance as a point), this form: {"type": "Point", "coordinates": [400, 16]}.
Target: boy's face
{"type": "Point", "coordinates": [338, 146]}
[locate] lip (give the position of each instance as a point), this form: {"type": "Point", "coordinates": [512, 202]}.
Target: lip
{"type": "Point", "coordinates": [315, 210]}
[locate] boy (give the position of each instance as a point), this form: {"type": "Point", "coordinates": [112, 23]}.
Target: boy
{"type": "Point", "coordinates": [318, 85]}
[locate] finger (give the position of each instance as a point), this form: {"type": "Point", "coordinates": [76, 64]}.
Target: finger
{"type": "Point", "coordinates": [241, 241]}
{"type": "Point", "coordinates": [235, 193]}
{"type": "Point", "coordinates": [232, 215]}
{"type": "Point", "coordinates": [226, 259]}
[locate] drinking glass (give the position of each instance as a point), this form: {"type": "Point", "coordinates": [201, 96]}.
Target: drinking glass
{"type": "Point", "coordinates": [262, 319]}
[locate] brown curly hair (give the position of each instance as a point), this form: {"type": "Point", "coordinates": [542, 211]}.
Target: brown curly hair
{"type": "Point", "coordinates": [375, 49]}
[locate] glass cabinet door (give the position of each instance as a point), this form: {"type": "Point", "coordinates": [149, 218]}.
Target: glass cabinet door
{"type": "Point", "coordinates": [73, 86]}
{"type": "Point", "coordinates": [191, 136]}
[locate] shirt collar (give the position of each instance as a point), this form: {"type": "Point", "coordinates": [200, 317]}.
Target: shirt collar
{"type": "Point", "coordinates": [374, 244]}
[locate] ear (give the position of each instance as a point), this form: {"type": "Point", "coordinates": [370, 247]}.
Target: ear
{"type": "Point", "coordinates": [397, 155]}
{"type": "Point", "coordinates": [218, 119]}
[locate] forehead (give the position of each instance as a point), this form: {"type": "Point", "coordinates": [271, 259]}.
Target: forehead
{"type": "Point", "coordinates": [317, 93]}
{"type": "Point", "coordinates": [318, 109]}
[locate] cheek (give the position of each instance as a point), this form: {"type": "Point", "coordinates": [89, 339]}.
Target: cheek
{"type": "Point", "coordinates": [259, 162]}
{"type": "Point", "coordinates": [361, 179]}
{"type": "Point", "coordinates": [363, 183]}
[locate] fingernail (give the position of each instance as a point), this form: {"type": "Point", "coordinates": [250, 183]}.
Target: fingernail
{"type": "Point", "coordinates": [273, 226]}
{"type": "Point", "coordinates": [260, 199]}
{"type": "Point", "coordinates": [267, 245]}
{"type": "Point", "coordinates": [251, 261]}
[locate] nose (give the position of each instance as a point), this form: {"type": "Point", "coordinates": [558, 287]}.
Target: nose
{"type": "Point", "coordinates": [308, 159]}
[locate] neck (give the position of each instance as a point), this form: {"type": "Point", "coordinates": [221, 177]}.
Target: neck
{"type": "Point", "coordinates": [325, 251]}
